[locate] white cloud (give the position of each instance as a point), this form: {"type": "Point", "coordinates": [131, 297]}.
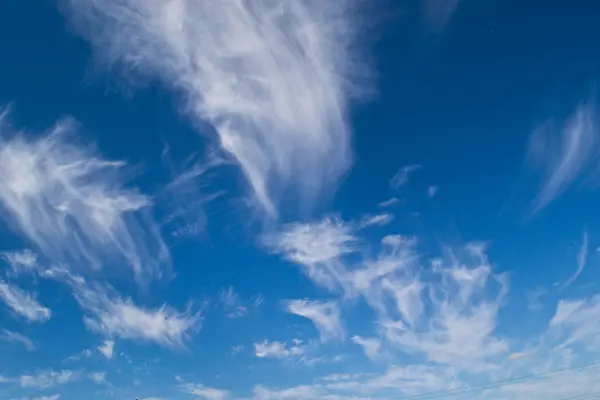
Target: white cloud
{"type": "Point", "coordinates": [98, 377]}
{"type": "Point", "coordinates": [403, 175]}
{"type": "Point", "coordinates": [576, 323]}
{"type": "Point", "coordinates": [581, 259]}
{"type": "Point", "coordinates": [371, 346]}
{"type": "Point", "coordinates": [561, 160]}
{"type": "Point", "coordinates": [24, 260]}
{"type": "Point", "coordinates": [109, 314]}
{"type": "Point", "coordinates": [14, 337]}
{"type": "Point", "coordinates": [272, 78]}
{"type": "Point", "coordinates": [47, 379]}
{"type": "Point", "coordinates": [438, 318]}
{"type": "Point", "coordinates": [533, 299]}
{"type": "Point", "coordinates": [232, 303]}
{"type": "Point", "coordinates": [86, 353]}
{"type": "Point", "coordinates": [446, 312]}
{"type": "Point", "coordinates": [432, 191]}
{"type": "Point", "coordinates": [377, 220]}
{"type": "Point", "coordinates": [294, 393]}
{"type": "Point", "coordinates": [324, 315]}
{"type": "Point", "coordinates": [389, 202]}
{"type": "Point", "coordinates": [317, 247]}
{"type": "Point", "coordinates": [438, 13]}
{"type": "Point", "coordinates": [23, 303]}
{"type": "Point", "coordinates": [72, 205]}
{"type": "Point", "coordinates": [276, 349]}
{"type": "Point", "coordinates": [106, 348]}
{"type": "Point", "coordinates": [204, 392]}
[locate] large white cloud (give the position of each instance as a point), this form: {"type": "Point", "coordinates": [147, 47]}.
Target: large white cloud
{"type": "Point", "coordinates": [272, 77]}
{"type": "Point", "coordinates": [73, 205]}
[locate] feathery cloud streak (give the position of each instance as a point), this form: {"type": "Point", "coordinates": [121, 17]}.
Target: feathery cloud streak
{"type": "Point", "coordinates": [273, 78]}
{"type": "Point", "coordinates": [23, 303]}
{"type": "Point", "coordinates": [565, 158]}
{"type": "Point", "coordinates": [72, 205]}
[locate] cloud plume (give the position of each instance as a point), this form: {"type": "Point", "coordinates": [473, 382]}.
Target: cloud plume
{"type": "Point", "coordinates": [562, 159]}
{"type": "Point", "coordinates": [273, 78]}
{"type": "Point", "coordinates": [23, 303]}
{"type": "Point", "coordinates": [73, 206]}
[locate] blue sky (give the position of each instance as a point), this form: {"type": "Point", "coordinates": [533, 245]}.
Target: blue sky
{"type": "Point", "coordinates": [294, 200]}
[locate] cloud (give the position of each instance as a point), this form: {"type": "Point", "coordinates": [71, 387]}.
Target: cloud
{"type": "Point", "coordinates": [371, 346]}
{"type": "Point", "coordinates": [438, 13]}
{"type": "Point", "coordinates": [73, 206]}
{"type": "Point", "coordinates": [533, 299]}
{"type": "Point", "coordinates": [377, 220]}
{"type": "Point", "coordinates": [446, 312]}
{"type": "Point", "coordinates": [204, 392]}
{"type": "Point", "coordinates": [581, 259]}
{"type": "Point", "coordinates": [294, 393]}
{"type": "Point", "coordinates": [268, 349]}
{"type": "Point", "coordinates": [402, 176]}
{"type": "Point", "coordinates": [436, 320]}
{"type": "Point", "coordinates": [562, 159]}
{"type": "Point", "coordinates": [432, 191]}
{"type": "Point", "coordinates": [14, 337]}
{"type": "Point", "coordinates": [109, 314]}
{"type": "Point", "coordinates": [575, 323]}
{"type": "Point", "coordinates": [47, 379]}
{"type": "Point", "coordinates": [324, 315]}
{"type": "Point", "coordinates": [317, 247]}
{"type": "Point", "coordinates": [98, 377]}
{"type": "Point", "coordinates": [23, 303]}
{"type": "Point", "coordinates": [20, 261]}
{"type": "Point", "coordinates": [107, 348]}
{"type": "Point", "coordinates": [388, 202]}
{"type": "Point", "coordinates": [232, 303]}
{"type": "Point", "coordinates": [237, 349]}
{"type": "Point", "coordinates": [86, 353]}
{"type": "Point", "coordinates": [273, 79]}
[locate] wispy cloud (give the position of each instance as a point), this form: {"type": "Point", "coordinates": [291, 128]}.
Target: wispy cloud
{"type": "Point", "coordinates": [438, 13]}
{"type": "Point", "coordinates": [403, 175]}
{"type": "Point", "coordinates": [73, 206]}
{"type": "Point", "coordinates": [581, 259]}
{"type": "Point", "coordinates": [272, 78]}
{"type": "Point", "coordinates": [15, 337]}
{"type": "Point", "coordinates": [389, 202]}
{"type": "Point", "coordinates": [324, 315]}
{"type": "Point", "coordinates": [462, 312]}
{"type": "Point", "coordinates": [98, 377]}
{"type": "Point", "coordinates": [204, 392]}
{"type": "Point", "coordinates": [107, 348]}
{"type": "Point", "coordinates": [371, 346]}
{"type": "Point", "coordinates": [232, 303]}
{"type": "Point", "coordinates": [23, 303]}
{"type": "Point", "coordinates": [276, 349]}
{"type": "Point", "coordinates": [52, 397]}
{"type": "Point", "coordinates": [317, 247]}
{"type": "Point", "coordinates": [47, 379]}
{"type": "Point", "coordinates": [432, 191]}
{"type": "Point", "coordinates": [20, 261]}
{"type": "Point", "coordinates": [377, 220]}
{"type": "Point", "coordinates": [107, 313]}
{"type": "Point", "coordinates": [562, 159]}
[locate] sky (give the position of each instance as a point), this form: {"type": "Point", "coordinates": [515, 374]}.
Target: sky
{"type": "Point", "coordinates": [299, 200]}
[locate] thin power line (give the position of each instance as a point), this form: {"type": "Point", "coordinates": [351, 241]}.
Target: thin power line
{"type": "Point", "coordinates": [501, 383]}
{"type": "Point", "coordinates": [583, 396]}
